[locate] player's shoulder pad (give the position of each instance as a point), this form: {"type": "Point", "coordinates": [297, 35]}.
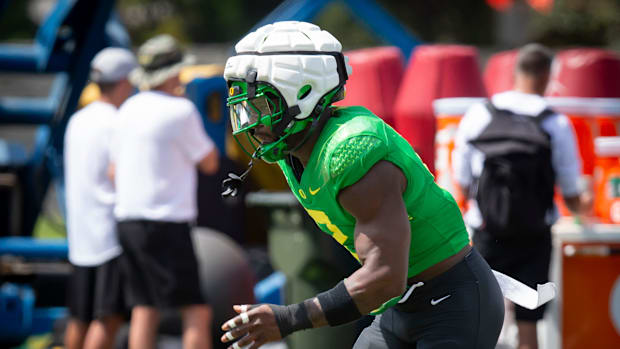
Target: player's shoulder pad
{"type": "Point", "coordinates": [355, 153]}
{"type": "Point", "coordinates": [357, 142]}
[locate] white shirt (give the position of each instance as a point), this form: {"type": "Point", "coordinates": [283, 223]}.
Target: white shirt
{"type": "Point", "coordinates": [89, 192]}
{"type": "Point", "coordinates": [467, 161]}
{"type": "Point", "coordinates": [159, 140]}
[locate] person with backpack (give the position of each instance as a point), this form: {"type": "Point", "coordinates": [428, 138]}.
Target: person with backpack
{"type": "Point", "coordinates": [510, 153]}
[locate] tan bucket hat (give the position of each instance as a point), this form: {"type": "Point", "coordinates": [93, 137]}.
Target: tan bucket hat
{"type": "Point", "coordinates": [160, 58]}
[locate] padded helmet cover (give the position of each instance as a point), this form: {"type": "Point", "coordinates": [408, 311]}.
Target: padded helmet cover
{"type": "Point", "coordinates": [287, 55]}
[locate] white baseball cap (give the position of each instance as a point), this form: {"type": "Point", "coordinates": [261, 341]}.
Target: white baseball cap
{"type": "Point", "coordinates": [112, 64]}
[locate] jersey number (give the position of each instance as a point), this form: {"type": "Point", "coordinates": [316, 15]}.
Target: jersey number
{"type": "Point", "coordinates": [321, 218]}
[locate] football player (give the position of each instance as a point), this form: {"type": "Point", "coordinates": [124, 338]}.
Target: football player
{"type": "Point", "coordinates": [365, 186]}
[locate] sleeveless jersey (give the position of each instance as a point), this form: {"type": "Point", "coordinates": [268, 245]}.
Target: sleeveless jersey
{"type": "Point", "coordinates": [351, 142]}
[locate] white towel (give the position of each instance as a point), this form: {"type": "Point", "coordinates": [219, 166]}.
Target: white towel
{"type": "Point", "coordinates": [523, 295]}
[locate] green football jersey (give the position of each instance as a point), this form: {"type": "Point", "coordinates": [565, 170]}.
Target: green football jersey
{"type": "Point", "coordinates": [352, 141]}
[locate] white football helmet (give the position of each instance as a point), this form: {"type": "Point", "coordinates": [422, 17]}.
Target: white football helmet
{"type": "Point", "coordinates": [284, 75]}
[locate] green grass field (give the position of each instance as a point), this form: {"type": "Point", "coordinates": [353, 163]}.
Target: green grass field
{"type": "Point", "coordinates": [37, 342]}
{"type": "Point", "coordinates": [50, 227]}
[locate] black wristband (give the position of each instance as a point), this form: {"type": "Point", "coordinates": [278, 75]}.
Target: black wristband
{"type": "Point", "coordinates": [291, 318]}
{"type": "Point", "coordinates": [338, 306]}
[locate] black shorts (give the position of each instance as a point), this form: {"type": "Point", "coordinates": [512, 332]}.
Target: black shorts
{"type": "Point", "coordinates": [526, 260]}
{"type": "Point", "coordinates": [461, 308]}
{"type": "Point", "coordinates": [158, 264]}
{"type": "Point", "coordinates": [95, 292]}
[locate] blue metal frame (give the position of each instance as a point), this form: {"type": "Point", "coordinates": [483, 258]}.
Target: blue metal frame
{"type": "Point", "coordinates": [24, 110]}
{"type": "Point", "coordinates": [370, 14]}
{"type": "Point", "coordinates": [293, 10]}
{"type": "Point", "coordinates": [19, 318]}
{"type": "Point", "coordinates": [94, 26]}
{"type": "Point", "coordinates": [72, 34]}
{"type": "Point", "coordinates": [29, 248]}
{"type": "Point", "coordinates": [44, 50]}
{"type": "Point", "coordinates": [379, 21]}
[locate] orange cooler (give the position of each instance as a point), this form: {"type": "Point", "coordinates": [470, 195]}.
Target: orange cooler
{"type": "Point", "coordinates": [607, 179]}
{"type": "Point", "coordinates": [590, 296]}
{"type": "Point", "coordinates": [585, 85]}
{"type": "Point", "coordinates": [448, 114]}
{"type": "Point", "coordinates": [590, 118]}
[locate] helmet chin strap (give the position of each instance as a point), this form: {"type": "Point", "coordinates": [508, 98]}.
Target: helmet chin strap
{"type": "Point", "coordinates": [230, 186]}
{"type": "Point", "coordinates": [315, 123]}
{"type": "Point", "coordinates": [313, 127]}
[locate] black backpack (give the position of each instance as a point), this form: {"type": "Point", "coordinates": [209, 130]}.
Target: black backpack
{"type": "Point", "coordinates": [515, 189]}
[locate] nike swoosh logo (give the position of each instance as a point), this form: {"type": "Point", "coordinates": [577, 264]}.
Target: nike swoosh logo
{"type": "Point", "coordinates": [437, 301]}
{"type": "Point", "coordinates": [313, 192]}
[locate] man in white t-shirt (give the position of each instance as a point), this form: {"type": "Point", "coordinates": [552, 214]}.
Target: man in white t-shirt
{"type": "Point", "coordinates": [526, 259]}
{"type": "Point", "coordinates": [159, 143]}
{"type": "Point", "coordinates": [95, 298]}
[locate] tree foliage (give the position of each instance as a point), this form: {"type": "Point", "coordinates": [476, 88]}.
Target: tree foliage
{"type": "Point", "coordinates": [579, 22]}
{"type": "Point", "coordinates": [570, 23]}
{"type": "Point", "coordinates": [14, 21]}
{"type": "Point", "coordinates": [195, 21]}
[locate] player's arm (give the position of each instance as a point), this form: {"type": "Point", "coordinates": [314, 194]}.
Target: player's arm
{"type": "Point", "coordinates": [382, 236]}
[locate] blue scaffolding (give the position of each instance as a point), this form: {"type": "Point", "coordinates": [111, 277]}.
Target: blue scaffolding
{"type": "Point", "coordinates": [73, 32]}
